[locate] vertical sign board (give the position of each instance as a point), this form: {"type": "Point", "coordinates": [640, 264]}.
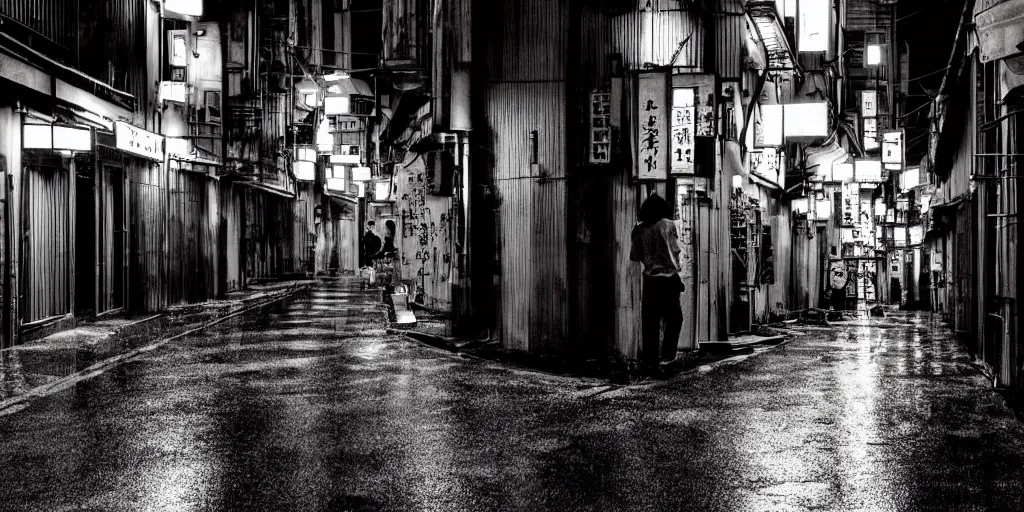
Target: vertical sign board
{"type": "Point", "coordinates": [600, 128]}
{"type": "Point", "coordinates": [683, 127]}
{"type": "Point", "coordinates": [652, 127]}
{"type": "Point", "coordinates": [869, 103]}
{"type": "Point", "coordinates": [870, 133]}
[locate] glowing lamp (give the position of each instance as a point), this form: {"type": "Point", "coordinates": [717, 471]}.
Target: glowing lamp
{"type": "Point", "coordinates": [304, 171]}
{"type": "Point", "coordinates": [360, 174]}
{"type": "Point", "coordinates": [737, 181]}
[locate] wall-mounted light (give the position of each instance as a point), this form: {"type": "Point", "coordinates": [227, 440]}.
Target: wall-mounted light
{"type": "Point", "coordinates": [304, 171]}
{"type": "Point", "coordinates": [199, 33]}
{"type": "Point", "coordinates": [56, 137]}
{"type": "Point", "coordinates": [336, 105]}
{"type": "Point", "coordinates": [800, 205]}
{"type": "Point", "coordinates": [874, 55]}
{"type": "Point", "coordinates": [361, 174]}
{"type": "Point", "coordinates": [737, 181]}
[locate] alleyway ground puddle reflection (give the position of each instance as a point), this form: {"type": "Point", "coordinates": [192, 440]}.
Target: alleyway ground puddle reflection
{"type": "Point", "coordinates": [309, 405]}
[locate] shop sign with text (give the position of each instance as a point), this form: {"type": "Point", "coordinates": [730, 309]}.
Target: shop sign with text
{"type": "Point", "coordinates": [137, 141]}
{"type": "Point", "coordinates": [652, 127]}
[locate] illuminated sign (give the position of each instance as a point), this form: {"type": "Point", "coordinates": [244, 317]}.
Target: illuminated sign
{"type": "Point", "coordinates": [892, 147]}
{"type": "Point", "coordinates": [814, 25]}
{"type": "Point", "coordinates": [806, 120]}
{"type": "Point", "coordinates": [304, 171]}
{"type": "Point", "coordinates": [771, 125]}
{"type": "Point", "coordinates": [842, 172]}
{"type": "Point", "coordinates": [186, 7]}
{"type": "Point", "coordinates": [335, 105]}
{"type": "Point", "coordinates": [868, 171]}
{"type": "Point", "coordinates": [137, 141]}
{"type": "Point", "coordinates": [683, 126]}
{"type": "Point", "coordinates": [869, 103]}
{"type": "Point", "coordinates": [360, 174]}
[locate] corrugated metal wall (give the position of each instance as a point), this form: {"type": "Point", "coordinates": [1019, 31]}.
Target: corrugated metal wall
{"type": "Point", "coordinates": [730, 44]}
{"type": "Point", "coordinates": [187, 275]}
{"type": "Point", "coordinates": [148, 199]}
{"type": "Point", "coordinates": [46, 251]}
{"type": "Point", "coordinates": [664, 29]}
{"type": "Point", "coordinates": [527, 40]}
{"type": "Point", "coordinates": [269, 234]}
{"type": "Point", "coordinates": [303, 230]}
{"type": "Point", "coordinates": [532, 212]}
{"type": "Point", "coordinates": [56, 20]}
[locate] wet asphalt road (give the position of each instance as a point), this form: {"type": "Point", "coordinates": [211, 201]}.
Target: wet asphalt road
{"type": "Point", "coordinates": [310, 406]}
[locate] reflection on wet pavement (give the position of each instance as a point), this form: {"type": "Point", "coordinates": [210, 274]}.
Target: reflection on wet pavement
{"type": "Point", "coordinates": [309, 405]}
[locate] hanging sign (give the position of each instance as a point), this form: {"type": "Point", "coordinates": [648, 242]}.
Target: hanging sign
{"type": "Point", "coordinates": [870, 134]}
{"type": "Point", "coordinates": [868, 171]}
{"type": "Point", "coordinates": [892, 147]}
{"type": "Point", "coordinates": [683, 126]}
{"type": "Point", "coordinates": [868, 103]}
{"type": "Point", "coordinates": [137, 141]}
{"type": "Point", "coordinates": [600, 128]}
{"type": "Point", "coordinates": [652, 128]}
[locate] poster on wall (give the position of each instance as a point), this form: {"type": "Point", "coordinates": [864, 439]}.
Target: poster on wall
{"type": "Point", "coordinates": [600, 128]}
{"type": "Point", "coordinates": [652, 128]}
{"type": "Point", "coordinates": [683, 126]}
{"type": "Point", "coordinates": [684, 226]}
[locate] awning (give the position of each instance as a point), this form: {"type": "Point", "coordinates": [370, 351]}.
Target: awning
{"type": "Point", "coordinates": [772, 35]}
{"type": "Point", "coordinates": [1000, 26]}
{"type": "Point", "coordinates": [269, 189]}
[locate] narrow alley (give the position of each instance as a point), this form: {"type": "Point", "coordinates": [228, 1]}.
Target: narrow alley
{"type": "Point", "coordinates": [309, 405]}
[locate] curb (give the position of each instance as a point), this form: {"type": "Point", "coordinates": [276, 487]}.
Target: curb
{"type": "Point", "coordinates": [15, 404]}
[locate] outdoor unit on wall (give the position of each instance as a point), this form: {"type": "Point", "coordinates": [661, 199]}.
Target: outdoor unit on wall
{"type": "Point", "coordinates": [440, 164]}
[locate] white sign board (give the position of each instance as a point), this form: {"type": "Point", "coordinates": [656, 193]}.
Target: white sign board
{"type": "Point", "coordinates": [652, 128]}
{"type": "Point", "coordinates": [683, 125]}
{"type": "Point", "coordinates": [138, 141]}
{"type": "Point", "coordinates": [892, 147]}
{"type": "Point", "coordinates": [806, 120]}
{"type": "Point", "coordinates": [868, 171]}
{"type": "Point", "coordinates": [868, 103]}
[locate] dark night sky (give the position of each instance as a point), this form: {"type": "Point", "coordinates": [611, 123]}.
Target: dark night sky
{"type": "Point", "coordinates": [928, 27]}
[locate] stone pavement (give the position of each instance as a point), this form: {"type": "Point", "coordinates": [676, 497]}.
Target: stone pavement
{"type": "Point", "coordinates": [307, 404]}
{"type": "Point", "coordinates": [36, 367]}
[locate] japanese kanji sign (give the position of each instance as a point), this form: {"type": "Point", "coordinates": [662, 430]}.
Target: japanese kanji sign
{"type": "Point", "coordinates": [652, 128]}
{"type": "Point", "coordinates": [683, 126]}
{"type": "Point", "coordinates": [600, 128]}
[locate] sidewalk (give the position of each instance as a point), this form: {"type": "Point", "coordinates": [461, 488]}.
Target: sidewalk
{"type": "Point", "coordinates": [41, 366]}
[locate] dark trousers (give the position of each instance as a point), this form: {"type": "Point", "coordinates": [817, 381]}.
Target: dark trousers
{"type": "Point", "coordinates": [660, 301]}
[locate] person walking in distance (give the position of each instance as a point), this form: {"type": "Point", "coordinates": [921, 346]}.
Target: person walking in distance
{"type": "Point", "coordinates": [371, 245]}
{"type": "Point", "coordinates": [655, 243]}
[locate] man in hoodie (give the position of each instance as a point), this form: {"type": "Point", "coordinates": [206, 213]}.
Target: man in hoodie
{"type": "Point", "coordinates": [656, 245]}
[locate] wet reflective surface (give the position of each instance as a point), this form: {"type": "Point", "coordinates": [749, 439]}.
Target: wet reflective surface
{"type": "Point", "coordinates": [310, 406]}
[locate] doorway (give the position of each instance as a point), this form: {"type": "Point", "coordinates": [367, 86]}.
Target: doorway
{"type": "Point", "coordinates": [114, 239]}
{"type": "Point", "coordinates": [85, 241]}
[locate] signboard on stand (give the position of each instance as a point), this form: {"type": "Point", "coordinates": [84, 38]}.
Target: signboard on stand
{"type": "Point", "coordinates": [652, 128]}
